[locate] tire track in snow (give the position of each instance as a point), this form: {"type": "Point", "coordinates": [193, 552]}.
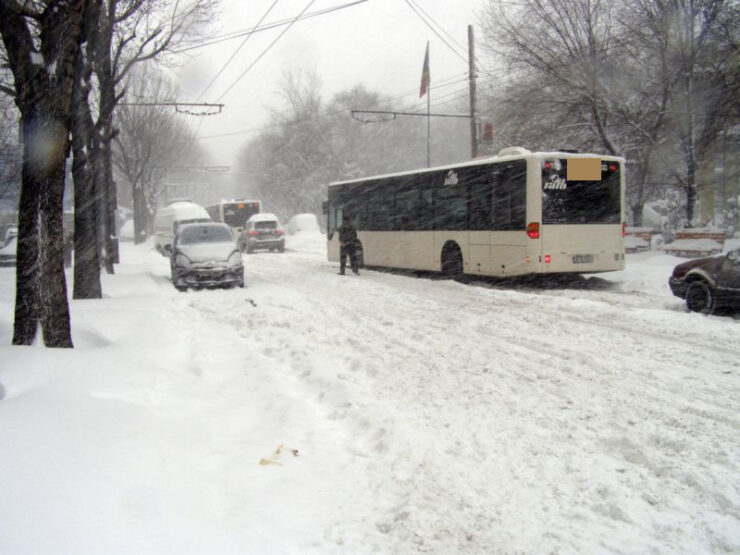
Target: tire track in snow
{"type": "Point", "coordinates": [496, 378]}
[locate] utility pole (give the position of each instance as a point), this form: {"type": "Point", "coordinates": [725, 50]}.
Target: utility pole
{"type": "Point", "coordinates": [471, 82]}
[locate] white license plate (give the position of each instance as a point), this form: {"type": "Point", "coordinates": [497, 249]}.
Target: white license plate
{"type": "Point", "coordinates": [583, 258]}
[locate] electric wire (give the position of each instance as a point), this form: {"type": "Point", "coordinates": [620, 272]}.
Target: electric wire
{"type": "Point", "coordinates": [233, 55]}
{"type": "Point", "coordinates": [453, 39]}
{"type": "Point", "coordinates": [266, 27]}
{"type": "Point", "coordinates": [449, 81]}
{"type": "Point", "coordinates": [463, 58]}
{"type": "Point", "coordinates": [266, 50]}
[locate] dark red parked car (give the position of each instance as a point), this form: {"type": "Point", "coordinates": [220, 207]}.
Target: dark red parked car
{"type": "Point", "coordinates": [709, 285]}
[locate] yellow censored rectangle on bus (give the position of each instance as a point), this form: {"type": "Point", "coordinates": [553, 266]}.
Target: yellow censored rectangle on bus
{"type": "Point", "coordinates": [584, 169]}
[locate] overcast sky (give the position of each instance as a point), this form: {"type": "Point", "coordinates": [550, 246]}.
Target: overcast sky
{"type": "Point", "coordinates": [379, 43]}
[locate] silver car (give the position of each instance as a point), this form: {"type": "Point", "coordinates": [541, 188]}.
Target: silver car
{"type": "Point", "coordinates": [262, 232]}
{"type": "Point", "coordinates": [205, 255]}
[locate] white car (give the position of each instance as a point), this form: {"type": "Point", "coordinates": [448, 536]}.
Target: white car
{"type": "Point", "coordinates": [205, 255]}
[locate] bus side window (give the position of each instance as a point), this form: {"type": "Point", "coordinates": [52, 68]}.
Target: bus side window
{"type": "Point", "coordinates": [406, 210]}
{"type": "Point", "coordinates": [426, 210]}
{"type": "Point", "coordinates": [509, 196]}
{"type": "Point", "coordinates": [480, 206]}
{"type": "Point", "coordinates": [451, 208]}
{"type": "Point", "coordinates": [381, 212]}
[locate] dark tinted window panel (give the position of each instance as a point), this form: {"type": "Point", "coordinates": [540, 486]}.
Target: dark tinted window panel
{"type": "Point", "coordinates": [451, 208]}
{"type": "Point", "coordinates": [509, 202]}
{"type": "Point", "coordinates": [406, 207]}
{"type": "Point", "coordinates": [580, 202]}
{"type": "Point", "coordinates": [480, 206]}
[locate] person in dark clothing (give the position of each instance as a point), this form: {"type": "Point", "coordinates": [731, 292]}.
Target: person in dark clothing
{"type": "Point", "coordinates": [348, 246]}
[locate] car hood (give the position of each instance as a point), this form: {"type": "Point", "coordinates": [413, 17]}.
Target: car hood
{"type": "Point", "coordinates": [205, 252]}
{"type": "Point", "coordinates": [712, 263]}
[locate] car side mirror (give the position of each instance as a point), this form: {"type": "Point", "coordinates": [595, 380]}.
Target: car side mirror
{"type": "Point", "coordinates": [168, 249]}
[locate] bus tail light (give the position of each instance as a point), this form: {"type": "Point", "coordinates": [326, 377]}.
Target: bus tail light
{"type": "Point", "coordinates": [533, 230]}
{"type": "Point", "coordinates": [624, 229]}
{"type": "Point", "coordinates": [253, 233]}
{"type": "Point", "coordinates": [548, 259]}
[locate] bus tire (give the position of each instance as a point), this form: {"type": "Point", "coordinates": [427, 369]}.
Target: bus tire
{"type": "Point", "coordinates": [452, 261]}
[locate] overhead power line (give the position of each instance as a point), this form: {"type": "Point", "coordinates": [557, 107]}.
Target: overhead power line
{"type": "Point", "coordinates": [416, 11]}
{"type": "Point", "coordinates": [355, 113]}
{"type": "Point", "coordinates": [266, 50]}
{"type": "Point", "coordinates": [267, 26]}
{"type": "Point", "coordinates": [462, 47]}
{"type": "Point", "coordinates": [246, 38]}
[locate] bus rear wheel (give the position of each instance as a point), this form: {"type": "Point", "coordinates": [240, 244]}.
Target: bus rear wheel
{"type": "Point", "coordinates": [452, 261]}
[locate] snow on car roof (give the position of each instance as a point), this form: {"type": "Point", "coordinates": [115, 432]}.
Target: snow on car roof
{"type": "Point", "coordinates": [263, 217]}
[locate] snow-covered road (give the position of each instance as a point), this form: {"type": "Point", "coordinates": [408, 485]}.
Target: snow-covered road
{"type": "Point", "coordinates": [426, 415]}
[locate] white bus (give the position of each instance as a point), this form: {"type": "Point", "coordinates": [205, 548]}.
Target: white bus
{"type": "Point", "coordinates": [516, 213]}
{"type": "Point", "coordinates": [234, 213]}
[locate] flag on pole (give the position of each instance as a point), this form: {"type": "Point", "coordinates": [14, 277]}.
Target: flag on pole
{"type": "Point", "coordinates": [425, 74]}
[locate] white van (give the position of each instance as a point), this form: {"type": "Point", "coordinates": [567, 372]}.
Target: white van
{"type": "Point", "coordinates": [170, 217]}
{"type": "Point", "coordinates": [303, 222]}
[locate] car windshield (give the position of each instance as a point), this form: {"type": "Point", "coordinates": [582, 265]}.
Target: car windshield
{"type": "Point", "coordinates": [205, 234]}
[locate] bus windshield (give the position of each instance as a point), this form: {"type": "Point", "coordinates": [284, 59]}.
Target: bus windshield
{"type": "Point", "coordinates": [580, 202]}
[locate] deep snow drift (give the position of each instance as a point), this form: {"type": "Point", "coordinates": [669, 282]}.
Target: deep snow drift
{"type": "Point", "coordinates": [316, 413]}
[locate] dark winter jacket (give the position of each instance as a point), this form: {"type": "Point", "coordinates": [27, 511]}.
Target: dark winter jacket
{"type": "Point", "coordinates": [347, 234]}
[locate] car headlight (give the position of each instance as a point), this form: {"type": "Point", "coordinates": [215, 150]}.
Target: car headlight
{"type": "Point", "coordinates": [235, 259]}
{"type": "Point", "coordinates": [182, 261]}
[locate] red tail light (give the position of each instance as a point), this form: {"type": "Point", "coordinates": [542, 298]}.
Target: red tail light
{"type": "Point", "coordinates": [253, 233]}
{"type": "Point", "coordinates": [548, 259]}
{"type": "Point", "coordinates": [533, 230]}
{"type": "Point", "coordinates": [280, 231]}
{"type": "Point", "coordinates": [624, 229]}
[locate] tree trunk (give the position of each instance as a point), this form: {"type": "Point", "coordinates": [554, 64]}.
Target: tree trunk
{"type": "Point", "coordinates": [43, 95]}
{"type": "Point", "coordinates": [107, 85]}
{"type": "Point", "coordinates": [140, 213]}
{"type": "Point", "coordinates": [27, 302]}
{"type": "Point", "coordinates": [87, 264]}
{"type": "Point", "coordinates": [53, 285]}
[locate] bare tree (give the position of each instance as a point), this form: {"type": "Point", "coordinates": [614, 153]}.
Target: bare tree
{"type": "Point", "coordinates": [309, 143]}
{"type": "Point", "coordinates": [152, 141]}
{"type": "Point", "coordinates": [120, 33]}
{"type": "Point", "coordinates": [564, 47]}
{"type": "Point", "coordinates": [85, 151]}
{"type": "Point", "coordinates": [42, 42]}
{"type": "Point", "coordinates": [646, 79]}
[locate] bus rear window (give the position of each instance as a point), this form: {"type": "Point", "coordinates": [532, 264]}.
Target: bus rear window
{"type": "Point", "coordinates": [580, 202]}
{"type": "Point", "coordinates": [236, 214]}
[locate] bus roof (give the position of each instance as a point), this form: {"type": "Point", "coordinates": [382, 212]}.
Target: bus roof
{"type": "Point", "coordinates": [510, 153]}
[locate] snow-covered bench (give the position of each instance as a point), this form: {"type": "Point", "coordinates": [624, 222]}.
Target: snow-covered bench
{"type": "Point", "coordinates": [693, 243]}
{"type": "Point", "coordinates": [637, 239]}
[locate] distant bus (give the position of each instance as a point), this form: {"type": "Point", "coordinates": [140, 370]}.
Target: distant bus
{"type": "Point", "coordinates": [516, 213]}
{"type": "Point", "coordinates": [234, 213]}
